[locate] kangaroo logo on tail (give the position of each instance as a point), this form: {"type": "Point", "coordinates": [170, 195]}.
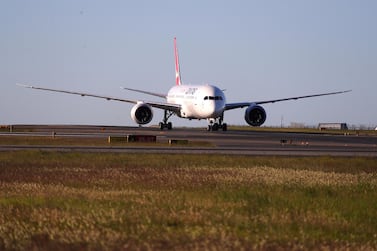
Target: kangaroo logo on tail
{"type": "Point", "coordinates": [177, 70]}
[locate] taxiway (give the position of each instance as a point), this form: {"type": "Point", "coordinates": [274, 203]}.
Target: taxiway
{"type": "Point", "coordinates": [241, 142]}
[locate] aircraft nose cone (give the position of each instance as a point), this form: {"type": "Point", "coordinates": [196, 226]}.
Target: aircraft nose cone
{"type": "Point", "coordinates": [216, 109]}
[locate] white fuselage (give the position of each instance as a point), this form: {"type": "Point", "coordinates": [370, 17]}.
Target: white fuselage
{"type": "Point", "coordinates": [198, 101]}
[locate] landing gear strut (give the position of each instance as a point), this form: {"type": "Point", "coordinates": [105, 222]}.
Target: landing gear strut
{"type": "Point", "coordinates": [165, 123]}
{"type": "Point", "coordinates": [216, 124]}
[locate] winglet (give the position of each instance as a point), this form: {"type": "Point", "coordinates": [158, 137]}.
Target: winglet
{"type": "Point", "coordinates": [26, 86]}
{"type": "Point", "coordinates": [177, 70]}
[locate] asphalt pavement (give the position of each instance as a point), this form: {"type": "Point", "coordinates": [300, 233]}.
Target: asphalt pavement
{"type": "Point", "coordinates": [242, 142]}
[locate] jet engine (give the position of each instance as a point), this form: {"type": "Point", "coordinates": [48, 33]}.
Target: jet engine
{"type": "Point", "coordinates": [142, 113]}
{"type": "Point", "coordinates": [255, 115]}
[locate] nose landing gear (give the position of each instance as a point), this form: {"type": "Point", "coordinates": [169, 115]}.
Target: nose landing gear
{"type": "Point", "coordinates": [216, 124]}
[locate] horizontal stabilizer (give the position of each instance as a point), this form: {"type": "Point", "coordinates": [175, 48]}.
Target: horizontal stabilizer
{"type": "Point", "coordinates": [145, 92]}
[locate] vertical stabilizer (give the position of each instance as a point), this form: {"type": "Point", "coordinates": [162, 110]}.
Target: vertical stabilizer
{"type": "Point", "coordinates": [177, 70]}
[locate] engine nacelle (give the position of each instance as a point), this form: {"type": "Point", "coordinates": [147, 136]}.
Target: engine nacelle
{"type": "Point", "coordinates": [255, 115]}
{"type": "Point", "coordinates": [142, 113]}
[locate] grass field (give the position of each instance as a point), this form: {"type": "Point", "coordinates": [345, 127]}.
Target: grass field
{"type": "Point", "coordinates": [88, 201]}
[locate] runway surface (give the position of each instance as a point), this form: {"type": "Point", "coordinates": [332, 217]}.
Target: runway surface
{"type": "Point", "coordinates": [229, 142]}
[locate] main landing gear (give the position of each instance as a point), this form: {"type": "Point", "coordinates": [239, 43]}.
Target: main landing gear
{"type": "Point", "coordinates": [217, 124]}
{"type": "Point", "coordinates": [165, 123]}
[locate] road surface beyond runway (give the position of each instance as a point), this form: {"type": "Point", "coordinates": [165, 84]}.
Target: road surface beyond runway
{"type": "Point", "coordinates": [230, 142]}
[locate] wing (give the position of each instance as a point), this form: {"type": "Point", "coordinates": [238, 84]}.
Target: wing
{"type": "Point", "coordinates": [231, 106]}
{"type": "Point", "coordinates": [165, 106]}
{"type": "Point", "coordinates": [79, 93]}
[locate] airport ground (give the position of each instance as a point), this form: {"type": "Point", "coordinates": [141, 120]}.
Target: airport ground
{"type": "Point", "coordinates": [235, 141]}
{"type": "Point", "coordinates": [234, 190]}
{"type": "Point", "coordinates": [64, 200]}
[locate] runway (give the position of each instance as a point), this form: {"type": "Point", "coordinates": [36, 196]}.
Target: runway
{"type": "Point", "coordinates": [241, 142]}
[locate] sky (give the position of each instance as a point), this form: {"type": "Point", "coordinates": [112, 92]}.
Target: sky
{"type": "Point", "coordinates": [255, 50]}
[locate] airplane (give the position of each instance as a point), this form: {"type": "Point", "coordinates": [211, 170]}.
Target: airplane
{"type": "Point", "coordinates": [190, 102]}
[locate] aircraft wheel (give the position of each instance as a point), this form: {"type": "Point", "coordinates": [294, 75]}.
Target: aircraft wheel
{"type": "Point", "coordinates": [225, 127]}
{"type": "Point", "coordinates": [170, 126]}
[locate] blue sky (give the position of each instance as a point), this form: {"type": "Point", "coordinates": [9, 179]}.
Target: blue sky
{"type": "Point", "coordinates": [256, 50]}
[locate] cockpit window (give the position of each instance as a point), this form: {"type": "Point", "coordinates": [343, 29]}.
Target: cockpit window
{"type": "Point", "coordinates": [213, 98]}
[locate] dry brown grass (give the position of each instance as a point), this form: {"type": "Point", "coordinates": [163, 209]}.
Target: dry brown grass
{"type": "Point", "coordinates": [87, 201]}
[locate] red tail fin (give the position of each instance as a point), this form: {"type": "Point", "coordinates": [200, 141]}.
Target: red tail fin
{"type": "Point", "coordinates": [177, 70]}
